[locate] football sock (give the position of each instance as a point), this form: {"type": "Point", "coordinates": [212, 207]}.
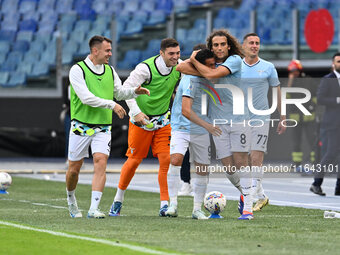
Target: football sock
{"type": "Point", "coordinates": [235, 180]}
{"type": "Point", "coordinates": [164, 202]}
{"type": "Point", "coordinates": [164, 162]}
{"type": "Point", "coordinates": [95, 199]}
{"type": "Point", "coordinates": [173, 183]}
{"type": "Point", "coordinates": [119, 195]}
{"type": "Point", "coordinates": [128, 171]}
{"type": "Point", "coordinates": [246, 185]}
{"type": "Point", "coordinates": [71, 198]}
{"type": "Point", "coordinates": [200, 183]}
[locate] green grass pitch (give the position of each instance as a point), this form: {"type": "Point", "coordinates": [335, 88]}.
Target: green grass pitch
{"type": "Point", "coordinates": [42, 205]}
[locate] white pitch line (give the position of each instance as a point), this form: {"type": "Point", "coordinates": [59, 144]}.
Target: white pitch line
{"type": "Point", "coordinates": [95, 240]}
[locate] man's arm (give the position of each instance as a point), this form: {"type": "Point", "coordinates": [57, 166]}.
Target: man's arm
{"type": "Point", "coordinates": [280, 128]}
{"type": "Point", "coordinates": [136, 78]}
{"type": "Point", "coordinates": [187, 68]}
{"type": "Point", "coordinates": [207, 72]}
{"type": "Point", "coordinates": [192, 116]}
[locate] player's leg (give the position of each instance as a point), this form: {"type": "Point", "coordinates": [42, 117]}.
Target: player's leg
{"type": "Point", "coordinates": [200, 157]}
{"type": "Point", "coordinates": [160, 146]}
{"type": "Point", "coordinates": [101, 147]}
{"type": "Point", "coordinates": [240, 145]}
{"type": "Point", "coordinates": [259, 140]}
{"type": "Point", "coordinates": [223, 152]}
{"type": "Point", "coordinates": [178, 145]}
{"type": "Point", "coordinates": [78, 149]}
{"type": "Point", "coordinates": [139, 141]}
{"type": "Point", "coordinates": [186, 187]}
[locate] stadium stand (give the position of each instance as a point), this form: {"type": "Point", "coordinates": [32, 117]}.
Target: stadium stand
{"type": "Point", "coordinates": [28, 27]}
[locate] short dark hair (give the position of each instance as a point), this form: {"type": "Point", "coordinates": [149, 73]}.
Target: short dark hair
{"type": "Point", "coordinates": [200, 46]}
{"type": "Point", "coordinates": [335, 55]}
{"type": "Point", "coordinates": [98, 39]}
{"type": "Point", "coordinates": [235, 47]}
{"type": "Point", "coordinates": [250, 34]}
{"type": "Point", "coordinates": [168, 43]}
{"type": "Point", "coordinates": [203, 55]}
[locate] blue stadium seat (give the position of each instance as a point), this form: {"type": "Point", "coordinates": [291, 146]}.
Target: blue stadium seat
{"type": "Point", "coordinates": [4, 78]}
{"type": "Point", "coordinates": [131, 59]}
{"type": "Point", "coordinates": [82, 25]}
{"type": "Point", "coordinates": [181, 35]}
{"type": "Point", "coordinates": [148, 5]}
{"type": "Point", "coordinates": [157, 17]}
{"type": "Point", "coordinates": [31, 15]}
{"type": "Point", "coordinates": [8, 6]}
{"type": "Point", "coordinates": [21, 46]}
{"type": "Point", "coordinates": [99, 6]}
{"type": "Point", "coordinates": [181, 6]}
{"type": "Point", "coordinates": [46, 5]}
{"type": "Point", "coordinates": [16, 79]}
{"type": "Point", "coordinates": [141, 16]}
{"type": "Point", "coordinates": [133, 27]}
{"type": "Point", "coordinates": [4, 47]}
{"type": "Point", "coordinates": [24, 36]}
{"type": "Point", "coordinates": [39, 69]}
{"type": "Point", "coordinates": [7, 35]}
{"type": "Point", "coordinates": [123, 16]}
{"type": "Point", "coordinates": [29, 24]}
{"type": "Point", "coordinates": [32, 56]}
{"type": "Point", "coordinates": [64, 6]}
{"type": "Point", "coordinates": [133, 6]}
{"type": "Point", "coordinates": [154, 45]}
{"type": "Point", "coordinates": [219, 23]}
{"type": "Point", "coordinates": [199, 2]}
{"type": "Point", "coordinates": [25, 68]}
{"type": "Point", "coordinates": [26, 6]}
{"type": "Point", "coordinates": [78, 36]}
{"type": "Point", "coordinates": [10, 24]}
{"type": "Point", "coordinates": [84, 49]}
{"type": "Point", "coordinates": [165, 6]}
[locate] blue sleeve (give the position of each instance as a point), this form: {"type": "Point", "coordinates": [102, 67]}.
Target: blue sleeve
{"type": "Point", "coordinates": [273, 78]}
{"type": "Point", "coordinates": [189, 87]}
{"type": "Point", "coordinates": [233, 63]}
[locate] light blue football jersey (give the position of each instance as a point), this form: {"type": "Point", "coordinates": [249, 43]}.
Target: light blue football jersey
{"type": "Point", "coordinates": [193, 87]}
{"type": "Point", "coordinates": [259, 76]}
{"type": "Point", "coordinates": [224, 109]}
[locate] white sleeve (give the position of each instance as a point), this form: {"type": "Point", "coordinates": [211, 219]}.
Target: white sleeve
{"type": "Point", "coordinates": [136, 78]}
{"type": "Point", "coordinates": [77, 81]}
{"type": "Point", "coordinates": [120, 92]}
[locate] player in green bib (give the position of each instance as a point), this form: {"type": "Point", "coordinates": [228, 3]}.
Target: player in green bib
{"type": "Point", "coordinates": [149, 119]}
{"type": "Point", "coordinates": [94, 84]}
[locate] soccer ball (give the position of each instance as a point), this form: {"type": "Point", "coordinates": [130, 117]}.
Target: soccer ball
{"type": "Point", "coordinates": [215, 202]}
{"type": "Point", "coordinates": [5, 180]}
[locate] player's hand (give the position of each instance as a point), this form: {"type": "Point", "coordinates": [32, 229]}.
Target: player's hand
{"type": "Point", "coordinates": [214, 130]}
{"type": "Point", "coordinates": [281, 128]}
{"type": "Point", "coordinates": [119, 110]}
{"type": "Point", "coordinates": [142, 91]}
{"type": "Point", "coordinates": [193, 55]}
{"type": "Point", "coordinates": [140, 119]}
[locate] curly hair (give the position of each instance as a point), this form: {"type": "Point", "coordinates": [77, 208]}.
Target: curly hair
{"type": "Point", "coordinates": [235, 47]}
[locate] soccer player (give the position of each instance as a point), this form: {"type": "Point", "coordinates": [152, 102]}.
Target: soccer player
{"type": "Point", "coordinates": [93, 85]}
{"type": "Point", "coordinates": [259, 75]}
{"type": "Point", "coordinates": [186, 107]}
{"type": "Point", "coordinates": [149, 119]}
{"type": "Point", "coordinates": [232, 146]}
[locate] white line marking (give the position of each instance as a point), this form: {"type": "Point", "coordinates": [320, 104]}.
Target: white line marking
{"type": "Point", "coordinates": [95, 240]}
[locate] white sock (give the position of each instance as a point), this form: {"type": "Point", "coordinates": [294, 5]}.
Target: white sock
{"type": "Point", "coordinates": [119, 195]}
{"type": "Point", "coordinates": [259, 177]}
{"type": "Point", "coordinates": [173, 183]}
{"type": "Point", "coordinates": [95, 199]}
{"type": "Point", "coordinates": [200, 183]}
{"type": "Point", "coordinates": [164, 202]}
{"type": "Point", "coordinates": [246, 185]}
{"type": "Point", "coordinates": [235, 180]}
{"type": "Point", "coordinates": [71, 198]}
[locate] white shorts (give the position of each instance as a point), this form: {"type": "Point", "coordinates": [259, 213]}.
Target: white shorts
{"type": "Point", "coordinates": [259, 137]}
{"type": "Point", "coordinates": [79, 145]}
{"type": "Point", "coordinates": [199, 149]}
{"type": "Point", "coordinates": [179, 142]}
{"type": "Point", "coordinates": [235, 138]}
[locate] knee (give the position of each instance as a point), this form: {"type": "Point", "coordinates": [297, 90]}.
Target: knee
{"type": "Point", "coordinates": [176, 160]}
{"type": "Point", "coordinates": [100, 158]}
{"type": "Point", "coordinates": [164, 159]}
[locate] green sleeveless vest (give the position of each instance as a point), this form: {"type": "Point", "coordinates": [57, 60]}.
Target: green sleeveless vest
{"type": "Point", "coordinates": [101, 85]}
{"type": "Point", "coordinates": [161, 88]}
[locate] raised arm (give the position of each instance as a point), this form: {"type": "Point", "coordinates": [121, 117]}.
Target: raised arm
{"type": "Point", "coordinates": [187, 68]}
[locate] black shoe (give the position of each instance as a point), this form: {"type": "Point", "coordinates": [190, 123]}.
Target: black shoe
{"type": "Point", "coordinates": [337, 192]}
{"type": "Point", "coordinates": [317, 190]}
